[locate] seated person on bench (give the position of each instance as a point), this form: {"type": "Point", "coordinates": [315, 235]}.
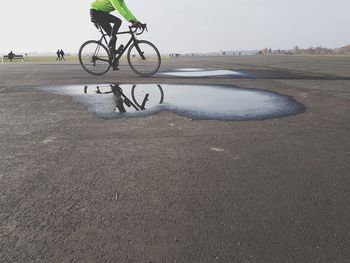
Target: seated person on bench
{"type": "Point", "coordinates": [11, 55]}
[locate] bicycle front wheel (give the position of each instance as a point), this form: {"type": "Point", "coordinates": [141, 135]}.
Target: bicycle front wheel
{"type": "Point", "coordinates": [144, 58]}
{"type": "Point", "coordinates": [147, 96]}
{"type": "Point", "coordinates": [94, 58]}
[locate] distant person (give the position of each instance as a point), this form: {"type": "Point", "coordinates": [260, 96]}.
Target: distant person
{"type": "Point", "coordinates": [11, 56]}
{"type": "Point", "coordinates": [58, 55]}
{"type": "Point", "coordinates": [62, 55]}
{"type": "Point", "coordinates": [100, 13]}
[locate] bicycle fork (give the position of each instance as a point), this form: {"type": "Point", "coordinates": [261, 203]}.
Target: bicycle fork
{"type": "Point", "coordinates": [139, 50]}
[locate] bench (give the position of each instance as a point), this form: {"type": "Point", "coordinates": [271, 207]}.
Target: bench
{"type": "Point", "coordinates": [14, 57]}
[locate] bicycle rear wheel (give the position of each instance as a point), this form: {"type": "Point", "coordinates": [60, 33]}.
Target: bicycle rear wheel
{"type": "Point", "coordinates": [94, 58]}
{"type": "Point", "coordinates": [144, 58]}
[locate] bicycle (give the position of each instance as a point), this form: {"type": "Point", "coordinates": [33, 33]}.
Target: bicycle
{"type": "Point", "coordinates": [143, 56]}
{"type": "Point", "coordinates": [147, 95]}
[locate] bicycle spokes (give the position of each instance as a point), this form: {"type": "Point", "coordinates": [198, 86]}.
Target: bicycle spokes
{"type": "Point", "coordinates": [94, 57]}
{"type": "Point", "coordinates": [144, 58]}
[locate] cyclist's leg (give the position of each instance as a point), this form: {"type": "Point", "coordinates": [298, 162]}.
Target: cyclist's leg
{"type": "Point", "coordinates": [116, 25]}
{"type": "Point", "coordinates": [100, 17]}
{"type": "Point", "coordinates": [105, 20]}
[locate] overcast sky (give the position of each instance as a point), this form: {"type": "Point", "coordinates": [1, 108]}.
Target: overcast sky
{"type": "Point", "coordinates": [181, 25]}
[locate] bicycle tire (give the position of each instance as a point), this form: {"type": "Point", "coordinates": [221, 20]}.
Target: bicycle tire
{"type": "Point", "coordinates": [106, 65]}
{"type": "Point", "coordinates": [155, 55]}
{"type": "Point", "coordinates": [156, 96]}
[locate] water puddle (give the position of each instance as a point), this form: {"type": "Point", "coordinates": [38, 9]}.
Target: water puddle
{"type": "Point", "coordinates": [211, 102]}
{"type": "Point", "coordinates": [200, 72]}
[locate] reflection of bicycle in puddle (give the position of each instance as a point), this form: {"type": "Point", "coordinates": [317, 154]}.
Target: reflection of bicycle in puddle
{"type": "Point", "coordinates": [143, 96]}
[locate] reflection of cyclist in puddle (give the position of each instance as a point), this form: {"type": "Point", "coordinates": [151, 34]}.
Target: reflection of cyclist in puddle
{"type": "Point", "coordinates": [149, 94]}
{"type": "Point", "coordinates": [100, 13]}
{"type": "Point", "coordinates": [118, 98]}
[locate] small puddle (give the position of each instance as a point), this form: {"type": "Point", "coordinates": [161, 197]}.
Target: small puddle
{"type": "Point", "coordinates": [211, 102]}
{"type": "Point", "coordinates": [200, 72]}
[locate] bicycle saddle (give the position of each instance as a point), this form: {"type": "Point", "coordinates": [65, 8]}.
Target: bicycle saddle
{"type": "Point", "coordinates": [96, 24]}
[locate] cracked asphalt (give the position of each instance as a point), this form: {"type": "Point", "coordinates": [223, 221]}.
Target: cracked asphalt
{"type": "Point", "coordinates": [164, 188]}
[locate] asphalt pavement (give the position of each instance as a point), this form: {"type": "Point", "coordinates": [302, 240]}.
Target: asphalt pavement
{"type": "Point", "coordinates": [165, 188]}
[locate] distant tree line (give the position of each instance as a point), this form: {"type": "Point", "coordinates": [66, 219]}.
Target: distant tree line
{"type": "Point", "coordinates": [315, 51]}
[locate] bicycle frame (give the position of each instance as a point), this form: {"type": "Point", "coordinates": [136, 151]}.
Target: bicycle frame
{"type": "Point", "coordinates": [133, 39]}
{"type": "Point", "coordinates": [115, 89]}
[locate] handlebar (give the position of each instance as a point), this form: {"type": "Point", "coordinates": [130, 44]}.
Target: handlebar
{"type": "Point", "coordinates": [140, 26]}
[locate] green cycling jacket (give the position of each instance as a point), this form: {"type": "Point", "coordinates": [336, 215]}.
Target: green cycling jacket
{"type": "Point", "coordinates": [111, 5]}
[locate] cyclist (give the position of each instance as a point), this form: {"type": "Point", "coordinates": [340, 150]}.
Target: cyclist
{"type": "Point", "coordinates": [100, 13]}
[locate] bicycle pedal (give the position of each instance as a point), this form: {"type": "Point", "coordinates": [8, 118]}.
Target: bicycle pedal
{"type": "Point", "coordinates": [127, 103]}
